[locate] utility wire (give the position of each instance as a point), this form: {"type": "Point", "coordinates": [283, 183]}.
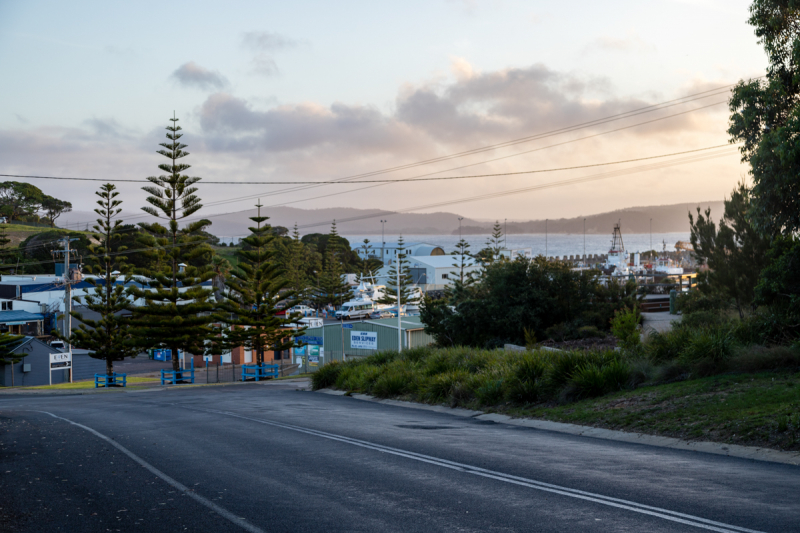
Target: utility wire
{"type": "Point", "coordinates": [439, 178]}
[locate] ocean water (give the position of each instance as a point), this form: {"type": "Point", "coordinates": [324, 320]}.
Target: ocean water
{"type": "Point", "coordinates": [554, 244]}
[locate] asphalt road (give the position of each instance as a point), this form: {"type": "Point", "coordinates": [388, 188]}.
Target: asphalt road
{"type": "Point", "coordinates": [260, 458]}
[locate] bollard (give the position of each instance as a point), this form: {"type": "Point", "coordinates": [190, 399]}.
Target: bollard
{"type": "Point", "coordinates": [673, 297]}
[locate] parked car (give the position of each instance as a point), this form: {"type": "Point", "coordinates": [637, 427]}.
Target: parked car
{"type": "Point", "coordinates": [380, 314]}
{"type": "Point", "coordinates": [302, 309]}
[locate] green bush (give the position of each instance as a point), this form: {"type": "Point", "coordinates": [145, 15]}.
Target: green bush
{"type": "Point", "coordinates": [589, 332]}
{"type": "Point", "coordinates": [625, 327]}
{"type": "Point", "coordinates": [438, 388]}
{"type": "Point", "coordinates": [662, 347]}
{"type": "Point", "coordinates": [760, 358]}
{"type": "Point", "coordinates": [708, 351]}
{"type": "Point", "coordinates": [395, 381]}
{"type": "Point", "coordinates": [696, 300]}
{"type": "Point", "coordinates": [326, 376]}
{"type": "Point", "coordinates": [703, 319]}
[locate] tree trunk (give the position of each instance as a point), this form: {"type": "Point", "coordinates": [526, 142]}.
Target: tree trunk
{"type": "Point", "coordinates": [109, 366]}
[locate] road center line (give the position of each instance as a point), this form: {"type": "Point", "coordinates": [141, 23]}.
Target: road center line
{"type": "Point", "coordinates": [666, 514]}
{"type": "Point", "coordinates": [241, 522]}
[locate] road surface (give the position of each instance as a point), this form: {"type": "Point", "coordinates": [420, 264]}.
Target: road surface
{"type": "Point", "coordinates": [264, 458]}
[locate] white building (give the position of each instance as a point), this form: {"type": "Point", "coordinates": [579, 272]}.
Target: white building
{"type": "Point", "coordinates": [387, 252]}
{"type": "Point", "coordinates": [434, 272]}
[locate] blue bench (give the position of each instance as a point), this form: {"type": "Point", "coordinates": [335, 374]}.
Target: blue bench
{"type": "Point", "coordinates": [171, 377]}
{"type": "Point", "coordinates": [259, 372]}
{"type": "Point", "coordinates": [114, 380]}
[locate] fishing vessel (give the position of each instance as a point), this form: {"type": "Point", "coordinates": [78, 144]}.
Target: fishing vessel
{"type": "Point", "coordinates": [665, 265]}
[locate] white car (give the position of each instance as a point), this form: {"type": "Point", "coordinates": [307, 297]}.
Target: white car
{"type": "Point", "coordinates": [302, 309]}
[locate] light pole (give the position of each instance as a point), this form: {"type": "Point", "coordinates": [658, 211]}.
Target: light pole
{"type": "Point", "coordinates": [383, 242]}
{"type": "Point", "coordinates": [459, 227]}
{"type": "Point", "coordinates": [545, 238]}
{"type": "Point", "coordinates": [584, 240]}
{"type": "Point", "coordinates": [651, 234]}
{"type": "Point", "coordinates": [505, 233]}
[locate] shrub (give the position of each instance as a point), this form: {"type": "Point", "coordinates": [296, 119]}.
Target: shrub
{"type": "Point", "coordinates": [661, 347]}
{"type": "Point", "coordinates": [759, 358]}
{"type": "Point", "coordinates": [625, 327]}
{"type": "Point", "coordinates": [326, 376]}
{"type": "Point", "coordinates": [524, 382]}
{"type": "Point", "coordinates": [439, 387]}
{"type": "Point", "coordinates": [707, 351]}
{"type": "Point", "coordinates": [703, 319]}
{"type": "Point", "coordinates": [593, 379]}
{"type": "Point", "coordinates": [561, 367]}
{"type": "Point", "coordinates": [695, 300]}
{"type": "Point", "coordinates": [395, 381]}
{"type": "Point", "coordinates": [588, 332]}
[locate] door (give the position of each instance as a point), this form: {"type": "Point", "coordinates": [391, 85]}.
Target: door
{"type": "Point", "coordinates": [248, 356]}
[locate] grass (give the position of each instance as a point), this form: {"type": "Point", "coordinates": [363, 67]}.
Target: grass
{"type": "Point", "coordinates": [749, 409]}
{"type": "Point", "coordinates": [753, 398]}
{"type": "Point", "coordinates": [86, 384]}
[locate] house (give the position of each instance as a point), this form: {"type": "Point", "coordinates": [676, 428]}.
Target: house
{"type": "Point", "coordinates": [387, 252]}
{"type": "Point", "coordinates": [34, 368]}
{"type": "Point", "coordinates": [18, 322]}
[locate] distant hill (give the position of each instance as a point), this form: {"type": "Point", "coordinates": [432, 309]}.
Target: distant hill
{"type": "Point", "coordinates": [350, 221]}
{"type": "Point", "coordinates": [666, 219]}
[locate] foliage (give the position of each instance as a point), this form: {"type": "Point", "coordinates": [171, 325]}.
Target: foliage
{"type": "Point", "coordinates": [8, 343]}
{"type": "Point", "coordinates": [779, 286]}
{"type": "Point", "coordinates": [765, 117]}
{"type": "Point", "coordinates": [54, 208]}
{"type": "Point", "coordinates": [175, 302]}
{"type": "Point", "coordinates": [109, 337]}
{"type": "Point", "coordinates": [516, 295]}
{"type": "Point", "coordinates": [19, 199]}
{"type": "Point", "coordinates": [401, 284]}
{"type": "Point", "coordinates": [332, 288]}
{"type": "Point", "coordinates": [255, 287]}
{"type": "Point", "coordinates": [625, 327]}
{"type": "Point", "coordinates": [735, 254]}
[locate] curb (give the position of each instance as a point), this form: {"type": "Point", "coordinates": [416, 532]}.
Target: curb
{"type": "Point", "coordinates": [716, 448]}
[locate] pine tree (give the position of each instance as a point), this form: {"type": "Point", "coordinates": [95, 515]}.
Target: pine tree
{"type": "Point", "coordinates": [255, 287]}
{"type": "Point", "coordinates": [297, 261]}
{"type": "Point", "coordinates": [7, 344]}
{"type": "Point", "coordinates": [495, 241]}
{"type": "Point", "coordinates": [332, 288]}
{"type": "Point", "coordinates": [176, 304]}
{"type": "Point", "coordinates": [109, 337]}
{"type": "Point", "coordinates": [464, 262]}
{"type": "Point", "coordinates": [407, 295]}
{"type": "Point", "coordinates": [369, 265]}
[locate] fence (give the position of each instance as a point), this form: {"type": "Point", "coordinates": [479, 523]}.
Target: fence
{"type": "Point", "coordinates": [222, 373]}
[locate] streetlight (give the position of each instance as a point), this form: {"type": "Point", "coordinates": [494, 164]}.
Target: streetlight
{"type": "Point", "coordinates": [584, 240]}
{"type": "Point", "coordinates": [545, 238]}
{"type": "Point", "coordinates": [651, 234]}
{"type": "Point", "coordinates": [459, 227]}
{"type": "Point", "coordinates": [383, 242]}
{"type": "Point", "coordinates": [505, 233]}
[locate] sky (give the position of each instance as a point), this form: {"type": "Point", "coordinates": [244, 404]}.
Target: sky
{"type": "Point", "coordinates": [311, 91]}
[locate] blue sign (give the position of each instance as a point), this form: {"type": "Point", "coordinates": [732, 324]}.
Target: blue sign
{"type": "Point", "coordinates": [347, 326]}
{"type": "Point", "coordinates": [310, 339]}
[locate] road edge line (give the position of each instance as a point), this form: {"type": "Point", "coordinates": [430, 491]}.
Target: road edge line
{"type": "Point", "coordinates": [715, 448]}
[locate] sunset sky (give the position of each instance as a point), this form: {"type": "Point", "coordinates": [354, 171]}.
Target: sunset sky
{"type": "Point", "coordinates": [283, 91]}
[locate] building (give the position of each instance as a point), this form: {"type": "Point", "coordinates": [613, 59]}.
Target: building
{"type": "Point", "coordinates": [387, 252]}
{"type": "Point", "coordinates": [434, 272]}
{"type": "Point", "coordinates": [34, 368]}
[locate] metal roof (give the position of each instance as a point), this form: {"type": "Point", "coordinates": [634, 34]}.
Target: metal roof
{"type": "Point", "coordinates": [442, 261]}
{"type": "Point", "coordinates": [19, 316]}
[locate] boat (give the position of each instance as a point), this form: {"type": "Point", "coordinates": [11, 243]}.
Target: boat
{"type": "Point", "coordinates": [665, 265]}
{"type": "Point", "coordinates": [617, 263]}
{"type": "Point", "coordinates": [364, 302]}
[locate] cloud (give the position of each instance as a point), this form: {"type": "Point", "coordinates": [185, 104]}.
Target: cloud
{"type": "Point", "coordinates": [264, 44]}
{"type": "Point", "coordinates": [630, 43]}
{"type": "Point", "coordinates": [193, 75]}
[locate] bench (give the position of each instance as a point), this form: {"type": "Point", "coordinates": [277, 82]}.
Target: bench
{"type": "Point", "coordinates": [114, 380]}
{"type": "Point", "coordinates": [173, 377]}
{"type": "Point", "coordinates": [259, 372]}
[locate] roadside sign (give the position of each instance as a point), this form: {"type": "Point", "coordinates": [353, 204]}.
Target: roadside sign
{"type": "Point", "coordinates": [60, 361]}
{"type": "Point", "coordinates": [310, 339]}
{"type": "Point", "coordinates": [347, 326]}
{"type": "Point", "coordinates": [365, 340]}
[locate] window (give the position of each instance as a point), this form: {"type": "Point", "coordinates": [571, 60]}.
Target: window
{"type": "Point", "coordinates": [444, 276]}
{"type": "Point", "coordinates": [8, 306]}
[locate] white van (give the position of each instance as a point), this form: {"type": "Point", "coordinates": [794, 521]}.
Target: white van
{"type": "Point", "coordinates": [355, 309]}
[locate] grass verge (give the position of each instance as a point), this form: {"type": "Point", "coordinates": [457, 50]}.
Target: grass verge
{"type": "Point", "coordinates": [748, 409]}
{"type": "Point", "coordinates": [87, 384]}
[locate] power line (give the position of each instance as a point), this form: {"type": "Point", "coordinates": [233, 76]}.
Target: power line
{"type": "Point", "coordinates": [440, 178]}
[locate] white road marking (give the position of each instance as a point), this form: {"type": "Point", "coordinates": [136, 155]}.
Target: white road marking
{"type": "Point", "coordinates": [239, 521]}
{"type": "Point", "coordinates": [666, 514]}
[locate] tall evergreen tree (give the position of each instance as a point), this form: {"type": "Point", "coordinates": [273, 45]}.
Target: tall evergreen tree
{"type": "Point", "coordinates": [333, 289]}
{"type": "Point", "coordinates": [464, 261]}
{"type": "Point", "coordinates": [495, 241]}
{"type": "Point", "coordinates": [735, 254]}
{"type": "Point", "coordinates": [297, 261]}
{"type": "Point", "coordinates": [174, 314]}
{"type": "Point", "coordinates": [7, 344]}
{"type": "Point", "coordinates": [407, 294]}
{"type": "Point", "coordinates": [255, 287]}
{"type": "Point", "coordinates": [109, 337]}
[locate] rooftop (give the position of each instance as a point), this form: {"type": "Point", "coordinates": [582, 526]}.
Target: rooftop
{"type": "Point", "coordinates": [441, 261]}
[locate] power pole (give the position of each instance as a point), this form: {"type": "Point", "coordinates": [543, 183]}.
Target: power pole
{"type": "Point", "coordinates": [67, 295]}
